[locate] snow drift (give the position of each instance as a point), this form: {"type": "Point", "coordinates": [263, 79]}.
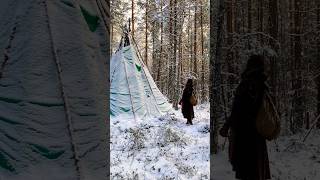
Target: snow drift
{"type": "Point", "coordinates": [161, 148]}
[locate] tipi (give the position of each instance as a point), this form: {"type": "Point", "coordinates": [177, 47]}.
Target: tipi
{"type": "Point", "coordinates": [133, 92]}
{"type": "Point", "coordinates": [53, 89]}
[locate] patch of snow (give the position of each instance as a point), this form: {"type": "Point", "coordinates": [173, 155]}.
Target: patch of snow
{"type": "Point", "coordinates": [294, 160]}
{"type": "Point", "coordinates": [161, 148]}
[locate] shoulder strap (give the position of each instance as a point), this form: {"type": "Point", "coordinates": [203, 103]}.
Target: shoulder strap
{"type": "Point", "coordinates": [271, 101]}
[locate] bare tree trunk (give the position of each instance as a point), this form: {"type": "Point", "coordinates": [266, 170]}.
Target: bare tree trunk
{"type": "Point", "coordinates": [170, 58]}
{"type": "Point", "coordinates": [273, 30]}
{"type": "Point", "coordinates": [132, 17]}
{"type": "Point", "coordinates": [180, 64]}
{"type": "Point", "coordinates": [190, 42]}
{"type": "Point", "coordinates": [318, 60]}
{"type": "Point", "coordinates": [216, 35]}
{"type": "Point", "coordinates": [155, 50]}
{"type": "Point", "coordinates": [297, 65]}
{"type": "Point", "coordinates": [112, 34]}
{"type": "Point", "coordinates": [161, 49]}
{"type": "Point", "coordinates": [195, 68]}
{"type": "Point", "coordinates": [249, 21]}
{"type": "Point", "coordinates": [176, 63]}
{"type": "Point", "coordinates": [261, 19]}
{"type": "Point", "coordinates": [230, 55]}
{"type": "Point", "coordinates": [318, 99]}
{"type": "Point", "coordinates": [154, 54]}
{"type": "Point", "coordinates": [146, 34]}
{"type": "Point", "coordinates": [203, 91]}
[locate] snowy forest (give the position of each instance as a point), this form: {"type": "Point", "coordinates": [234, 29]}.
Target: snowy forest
{"type": "Point", "coordinates": [98, 89]}
{"type": "Point", "coordinates": [287, 34]}
{"type": "Point", "coordinates": [173, 39]}
{"type": "Point", "coordinates": [158, 45]}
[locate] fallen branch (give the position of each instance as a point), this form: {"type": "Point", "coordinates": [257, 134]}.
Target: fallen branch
{"type": "Point", "coordinates": [312, 127]}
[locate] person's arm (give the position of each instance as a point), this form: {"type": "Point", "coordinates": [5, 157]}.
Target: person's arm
{"type": "Point", "coordinates": [236, 108]}
{"type": "Point", "coordinates": [230, 121]}
{"type": "Point", "coordinates": [182, 98]}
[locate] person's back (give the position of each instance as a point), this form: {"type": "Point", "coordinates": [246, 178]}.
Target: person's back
{"type": "Point", "coordinates": [248, 152]}
{"type": "Point", "coordinates": [187, 107]}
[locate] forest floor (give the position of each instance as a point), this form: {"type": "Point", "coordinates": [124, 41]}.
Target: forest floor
{"type": "Point", "coordinates": [163, 148]}
{"type": "Point", "coordinates": [294, 160]}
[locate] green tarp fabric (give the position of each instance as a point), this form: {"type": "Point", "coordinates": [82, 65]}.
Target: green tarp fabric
{"type": "Point", "coordinates": [133, 92]}
{"type": "Point", "coordinates": [4, 163]}
{"type": "Point", "coordinates": [68, 3]}
{"type": "Point", "coordinates": [55, 58]}
{"type": "Point", "coordinates": [50, 154]}
{"type": "Point", "coordinates": [92, 20]}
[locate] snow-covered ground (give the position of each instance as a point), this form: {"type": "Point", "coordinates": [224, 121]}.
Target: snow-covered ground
{"type": "Point", "coordinates": [293, 161]}
{"type": "Point", "coordinates": [167, 148]}
{"type": "Point", "coordinates": [161, 148]}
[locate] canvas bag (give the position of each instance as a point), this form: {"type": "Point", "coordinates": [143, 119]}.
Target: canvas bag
{"type": "Point", "coordinates": [193, 100]}
{"type": "Point", "coordinates": [268, 120]}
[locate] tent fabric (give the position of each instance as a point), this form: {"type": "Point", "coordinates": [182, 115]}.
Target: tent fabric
{"type": "Point", "coordinates": [52, 91]}
{"type": "Point", "coordinates": [92, 20]}
{"type": "Point", "coordinates": [133, 91]}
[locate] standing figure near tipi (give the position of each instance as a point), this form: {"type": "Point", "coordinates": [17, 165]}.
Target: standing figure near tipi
{"type": "Point", "coordinates": [247, 148]}
{"type": "Point", "coordinates": [188, 101]}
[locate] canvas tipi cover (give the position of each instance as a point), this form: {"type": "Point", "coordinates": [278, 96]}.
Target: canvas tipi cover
{"type": "Point", "coordinates": [133, 92]}
{"type": "Point", "coordinates": [53, 90]}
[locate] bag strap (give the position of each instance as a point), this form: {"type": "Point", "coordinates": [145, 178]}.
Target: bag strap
{"type": "Point", "coordinates": [194, 94]}
{"type": "Point", "coordinates": [271, 101]}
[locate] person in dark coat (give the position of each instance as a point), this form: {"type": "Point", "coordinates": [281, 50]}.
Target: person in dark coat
{"type": "Point", "coordinates": [247, 149]}
{"type": "Point", "coordinates": [187, 107]}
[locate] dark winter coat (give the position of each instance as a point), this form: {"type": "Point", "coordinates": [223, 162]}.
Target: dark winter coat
{"type": "Point", "coordinates": [248, 150]}
{"type": "Point", "coordinates": [187, 108]}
